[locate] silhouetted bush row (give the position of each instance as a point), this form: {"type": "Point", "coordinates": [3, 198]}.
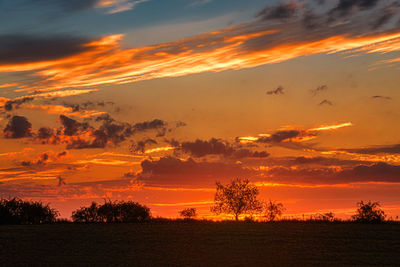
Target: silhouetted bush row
{"type": "Point", "coordinates": [112, 212]}
{"type": "Point", "coordinates": [17, 211]}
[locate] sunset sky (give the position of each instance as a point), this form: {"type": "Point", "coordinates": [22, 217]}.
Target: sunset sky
{"type": "Point", "coordinates": [156, 100]}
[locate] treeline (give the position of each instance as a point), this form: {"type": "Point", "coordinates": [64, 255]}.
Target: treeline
{"type": "Point", "coordinates": [112, 212]}
{"type": "Point", "coordinates": [239, 199]}
{"type": "Point", "coordinates": [17, 211]}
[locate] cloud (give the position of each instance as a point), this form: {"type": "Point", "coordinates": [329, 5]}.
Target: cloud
{"type": "Point", "coordinates": [44, 158]}
{"type": "Point", "coordinates": [252, 44]}
{"type": "Point", "coordinates": [287, 136]}
{"type": "Point", "coordinates": [373, 150]}
{"type": "Point", "coordinates": [69, 6]}
{"type": "Point", "coordinates": [381, 97]}
{"type": "Point", "coordinates": [325, 102]}
{"type": "Point", "coordinates": [11, 104]}
{"type": "Point", "coordinates": [376, 172]}
{"type": "Point", "coordinates": [18, 127]}
{"type": "Point", "coordinates": [345, 7]}
{"type": "Point", "coordinates": [200, 148]}
{"type": "Point", "coordinates": [278, 12]}
{"type": "Point", "coordinates": [22, 49]}
{"type": "Point", "coordinates": [277, 91]}
{"type": "Point", "coordinates": [140, 146]}
{"type": "Point", "coordinates": [386, 15]}
{"type": "Point", "coordinates": [82, 135]}
{"type": "Point", "coordinates": [117, 6]}
{"type": "Point", "coordinates": [170, 170]}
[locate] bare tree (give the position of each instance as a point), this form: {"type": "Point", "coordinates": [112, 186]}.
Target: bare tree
{"type": "Point", "coordinates": [369, 212]}
{"type": "Point", "coordinates": [273, 210]}
{"type": "Point", "coordinates": [188, 213]}
{"type": "Point", "coordinates": [237, 198]}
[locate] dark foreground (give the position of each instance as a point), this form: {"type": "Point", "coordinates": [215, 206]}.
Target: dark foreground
{"type": "Point", "coordinates": [201, 244]}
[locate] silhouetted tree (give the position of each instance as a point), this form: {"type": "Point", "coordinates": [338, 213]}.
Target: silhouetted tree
{"type": "Point", "coordinates": [369, 212]}
{"type": "Point", "coordinates": [17, 211]}
{"type": "Point", "coordinates": [86, 214]}
{"type": "Point", "coordinates": [112, 212]}
{"type": "Point", "coordinates": [273, 210]}
{"type": "Point", "coordinates": [188, 213]}
{"type": "Point", "coordinates": [237, 198]}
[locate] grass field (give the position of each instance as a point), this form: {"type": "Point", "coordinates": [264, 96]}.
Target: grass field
{"type": "Point", "coordinates": [201, 244]}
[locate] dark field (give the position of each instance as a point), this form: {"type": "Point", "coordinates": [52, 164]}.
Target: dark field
{"type": "Point", "coordinates": [201, 244]}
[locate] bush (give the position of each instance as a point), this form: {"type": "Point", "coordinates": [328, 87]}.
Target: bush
{"type": "Point", "coordinates": [112, 212]}
{"type": "Point", "coordinates": [17, 211]}
{"type": "Point", "coordinates": [188, 213]}
{"type": "Point", "coordinates": [369, 212]}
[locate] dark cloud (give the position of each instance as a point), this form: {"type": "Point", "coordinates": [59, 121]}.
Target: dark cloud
{"type": "Point", "coordinates": [80, 135]}
{"type": "Point", "coordinates": [18, 127]}
{"type": "Point", "coordinates": [11, 104]}
{"type": "Point", "coordinates": [42, 159]}
{"type": "Point", "coordinates": [390, 149]}
{"type": "Point", "coordinates": [381, 97]}
{"type": "Point", "coordinates": [88, 105]}
{"type": "Point", "coordinates": [278, 12]}
{"type": "Point", "coordinates": [17, 49]}
{"type": "Point", "coordinates": [319, 89]}
{"type": "Point", "coordinates": [170, 170]}
{"type": "Point", "coordinates": [345, 7]}
{"type": "Point", "coordinates": [376, 172]}
{"type": "Point", "coordinates": [280, 136]}
{"type": "Point", "coordinates": [149, 125]}
{"type": "Point", "coordinates": [71, 126]}
{"type": "Point", "coordinates": [384, 17]}
{"type": "Point", "coordinates": [140, 146]}
{"type": "Point", "coordinates": [200, 148]}
{"type": "Point", "coordinates": [325, 102]}
{"type": "Point", "coordinates": [277, 91]}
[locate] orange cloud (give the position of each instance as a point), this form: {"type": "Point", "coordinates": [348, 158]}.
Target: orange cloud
{"type": "Point", "coordinates": [331, 127]}
{"type": "Point", "coordinates": [67, 111]}
{"type": "Point", "coordinates": [245, 46]}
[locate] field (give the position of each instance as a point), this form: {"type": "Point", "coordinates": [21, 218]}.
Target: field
{"type": "Point", "coordinates": [201, 244]}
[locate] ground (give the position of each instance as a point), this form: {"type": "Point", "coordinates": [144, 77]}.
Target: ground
{"type": "Point", "coordinates": [201, 244]}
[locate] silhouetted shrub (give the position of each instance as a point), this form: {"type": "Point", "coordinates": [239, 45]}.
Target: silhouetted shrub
{"type": "Point", "coordinates": [112, 212]}
{"type": "Point", "coordinates": [273, 210]}
{"type": "Point", "coordinates": [323, 217]}
{"type": "Point", "coordinates": [369, 212]}
{"type": "Point", "coordinates": [17, 211]}
{"type": "Point", "coordinates": [188, 213]}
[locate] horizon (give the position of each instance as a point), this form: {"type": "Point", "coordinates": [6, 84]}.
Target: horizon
{"type": "Point", "coordinates": [155, 101]}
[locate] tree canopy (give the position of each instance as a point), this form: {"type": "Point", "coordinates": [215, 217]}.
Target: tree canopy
{"type": "Point", "coordinates": [236, 198]}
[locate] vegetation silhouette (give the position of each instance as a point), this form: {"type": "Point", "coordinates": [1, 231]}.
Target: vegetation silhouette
{"type": "Point", "coordinates": [273, 210]}
{"type": "Point", "coordinates": [17, 211]}
{"type": "Point", "coordinates": [112, 212]}
{"type": "Point", "coordinates": [237, 198]}
{"type": "Point", "coordinates": [369, 212]}
{"type": "Point", "coordinates": [188, 213]}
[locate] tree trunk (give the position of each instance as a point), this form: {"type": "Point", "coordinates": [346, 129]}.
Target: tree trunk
{"type": "Point", "coordinates": [236, 217]}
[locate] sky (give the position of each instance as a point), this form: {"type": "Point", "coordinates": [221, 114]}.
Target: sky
{"type": "Point", "coordinates": [155, 101]}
